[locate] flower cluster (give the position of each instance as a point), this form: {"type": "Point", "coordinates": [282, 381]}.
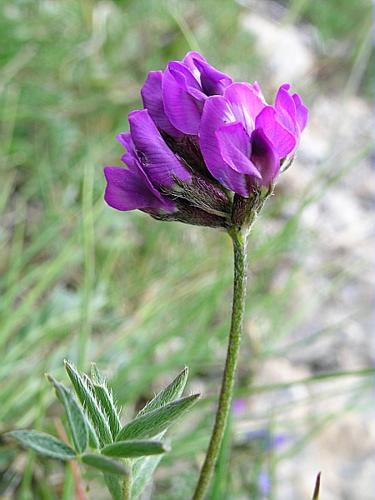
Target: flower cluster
{"type": "Point", "coordinates": [202, 142]}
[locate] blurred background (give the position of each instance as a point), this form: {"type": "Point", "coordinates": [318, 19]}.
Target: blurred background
{"type": "Point", "coordinates": [144, 298]}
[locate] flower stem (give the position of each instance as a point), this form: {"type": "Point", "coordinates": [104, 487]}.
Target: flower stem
{"type": "Point", "coordinates": [239, 239]}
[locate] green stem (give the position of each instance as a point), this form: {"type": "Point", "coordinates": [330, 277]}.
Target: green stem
{"type": "Point", "coordinates": [238, 308]}
{"type": "Point", "coordinates": [127, 481]}
{"type": "Point", "coordinates": [126, 488]}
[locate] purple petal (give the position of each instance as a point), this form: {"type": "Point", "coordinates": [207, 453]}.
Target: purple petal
{"type": "Point", "coordinates": [189, 62]}
{"type": "Point", "coordinates": [152, 98]}
{"type": "Point", "coordinates": [264, 157]}
{"type": "Point", "coordinates": [235, 148]}
{"type": "Point", "coordinates": [160, 164]}
{"type": "Point", "coordinates": [130, 157]}
{"type": "Point", "coordinates": [216, 113]}
{"type": "Point", "coordinates": [182, 98]}
{"type": "Point", "coordinates": [213, 81]}
{"type": "Point", "coordinates": [245, 102]}
{"type": "Point", "coordinates": [256, 87]}
{"type": "Point", "coordinates": [301, 111]}
{"type": "Point", "coordinates": [286, 109]}
{"type": "Point", "coordinates": [130, 190]}
{"type": "Point", "coordinates": [282, 140]}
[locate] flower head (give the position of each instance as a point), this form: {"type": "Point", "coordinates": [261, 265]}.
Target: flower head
{"type": "Point", "coordinates": [203, 146]}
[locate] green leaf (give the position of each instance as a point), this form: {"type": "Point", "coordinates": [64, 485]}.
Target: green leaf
{"type": "Point", "coordinates": [75, 415]}
{"type": "Point", "coordinates": [105, 397]}
{"type": "Point", "coordinates": [135, 448]}
{"type": "Point", "coordinates": [104, 464]}
{"type": "Point", "coordinates": [152, 423]}
{"type": "Point", "coordinates": [85, 392]}
{"type": "Point", "coordinates": [44, 444]}
{"type": "Point", "coordinates": [172, 392]}
{"type": "Point", "coordinates": [143, 470]}
{"type": "Point", "coordinates": [93, 437]}
{"type": "Point", "coordinates": [114, 485]}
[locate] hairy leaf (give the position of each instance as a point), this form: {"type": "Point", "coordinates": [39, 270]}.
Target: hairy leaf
{"type": "Point", "coordinates": [44, 444]}
{"type": "Point", "coordinates": [104, 464]}
{"type": "Point", "coordinates": [143, 470]}
{"type": "Point", "coordinates": [152, 423]}
{"type": "Point", "coordinates": [114, 485]}
{"type": "Point", "coordinates": [105, 397]}
{"type": "Point", "coordinates": [172, 392]}
{"type": "Point", "coordinates": [135, 448]}
{"type": "Point", "coordinates": [85, 392]}
{"type": "Point", "coordinates": [76, 418]}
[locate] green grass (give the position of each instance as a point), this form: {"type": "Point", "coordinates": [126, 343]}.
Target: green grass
{"type": "Point", "coordinates": [141, 298]}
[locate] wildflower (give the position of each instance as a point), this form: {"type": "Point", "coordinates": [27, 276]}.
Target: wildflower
{"type": "Point", "coordinates": [204, 148]}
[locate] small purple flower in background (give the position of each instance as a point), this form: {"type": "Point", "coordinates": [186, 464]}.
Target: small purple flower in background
{"type": "Point", "coordinates": [204, 146]}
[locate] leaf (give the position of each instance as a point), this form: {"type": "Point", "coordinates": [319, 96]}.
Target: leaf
{"type": "Point", "coordinates": [93, 437]}
{"type": "Point", "coordinates": [44, 444]}
{"type": "Point", "coordinates": [152, 423]}
{"type": "Point", "coordinates": [105, 397]}
{"type": "Point", "coordinates": [85, 392]}
{"type": "Point", "coordinates": [104, 464]}
{"type": "Point", "coordinates": [113, 484]}
{"type": "Point", "coordinates": [143, 470]}
{"type": "Point", "coordinates": [135, 448]}
{"type": "Point", "coordinates": [75, 415]}
{"type": "Point", "coordinates": [172, 392]}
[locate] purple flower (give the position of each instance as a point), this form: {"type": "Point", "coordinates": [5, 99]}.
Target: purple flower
{"type": "Point", "coordinates": [243, 140]}
{"type": "Point", "coordinates": [199, 137]}
{"type": "Point", "coordinates": [175, 98]}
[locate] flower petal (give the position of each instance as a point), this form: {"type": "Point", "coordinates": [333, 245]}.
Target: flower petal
{"type": "Point", "coordinates": [264, 157]}
{"type": "Point", "coordinates": [213, 81]}
{"type": "Point", "coordinates": [286, 109]}
{"type": "Point", "coordinates": [152, 98]}
{"type": "Point", "coordinates": [235, 148]}
{"type": "Point", "coordinates": [158, 161]}
{"type": "Point", "coordinates": [245, 102]}
{"type": "Point", "coordinates": [182, 109]}
{"type": "Point", "coordinates": [216, 113]}
{"type": "Point", "coordinates": [282, 140]}
{"type": "Point", "coordinates": [301, 111]}
{"type": "Point", "coordinates": [189, 62]}
{"type": "Point", "coordinates": [130, 190]}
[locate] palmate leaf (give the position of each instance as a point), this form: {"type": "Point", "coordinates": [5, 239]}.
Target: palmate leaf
{"type": "Point", "coordinates": [85, 392]}
{"type": "Point", "coordinates": [104, 464]}
{"type": "Point", "coordinates": [105, 397]}
{"type": "Point", "coordinates": [76, 418]}
{"type": "Point", "coordinates": [152, 423]}
{"type": "Point", "coordinates": [43, 444]}
{"type": "Point", "coordinates": [135, 448]}
{"type": "Point", "coordinates": [172, 392]}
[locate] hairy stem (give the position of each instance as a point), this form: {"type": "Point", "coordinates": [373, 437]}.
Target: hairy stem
{"type": "Point", "coordinates": [238, 308]}
{"type": "Point", "coordinates": [127, 483]}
